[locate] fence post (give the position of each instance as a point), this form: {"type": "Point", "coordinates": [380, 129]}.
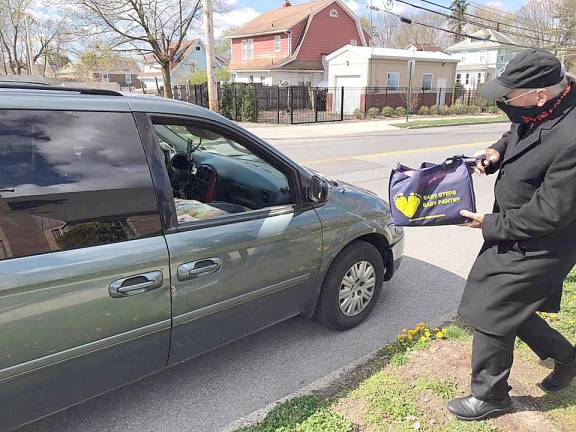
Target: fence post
{"type": "Point", "coordinates": [342, 105]}
{"type": "Point", "coordinates": [386, 97]}
{"type": "Point", "coordinates": [365, 102]}
{"type": "Point", "coordinates": [469, 96]}
{"type": "Point", "coordinates": [278, 104]}
{"type": "Point", "coordinates": [291, 97]}
{"type": "Point", "coordinates": [256, 104]}
{"type": "Point", "coordinates": [315, 105]}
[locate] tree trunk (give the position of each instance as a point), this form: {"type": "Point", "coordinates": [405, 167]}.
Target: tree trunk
{"type": "Point", "coordinates": [167, 81]}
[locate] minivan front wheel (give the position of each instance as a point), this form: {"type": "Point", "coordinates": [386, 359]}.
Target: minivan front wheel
{"type": "Point", "coordinates": [351, 287]}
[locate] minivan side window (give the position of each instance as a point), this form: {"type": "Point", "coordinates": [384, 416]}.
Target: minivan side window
{"type": "Point", "coordinates": [71, 180]}
{"type": "Point", "coordinates": [213, 176]}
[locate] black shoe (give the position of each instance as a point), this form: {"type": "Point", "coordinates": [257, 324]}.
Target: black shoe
{"type": "Point", "coordinates": [469, 408]}
{"type": "Point", "coordinates": [561, 377]}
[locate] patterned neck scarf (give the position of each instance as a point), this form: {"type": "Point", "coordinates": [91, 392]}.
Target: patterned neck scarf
{"type": "Point", "coordinates": [549, 110]}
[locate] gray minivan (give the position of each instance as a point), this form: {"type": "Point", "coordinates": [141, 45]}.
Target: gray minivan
{"type": "Point", "coordinates": [139, 232]}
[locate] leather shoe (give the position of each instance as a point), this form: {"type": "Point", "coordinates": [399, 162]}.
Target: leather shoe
{"type": "Point", "coordinates": [561, 377]}
{"type": "Point", "coordinates": [469, 408]}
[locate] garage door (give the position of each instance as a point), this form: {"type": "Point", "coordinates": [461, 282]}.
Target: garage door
{"type": "Point", "coordinates": [352, 93]}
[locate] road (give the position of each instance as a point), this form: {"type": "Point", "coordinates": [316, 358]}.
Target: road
{"type": "Point", "coordinates": [207, 393]}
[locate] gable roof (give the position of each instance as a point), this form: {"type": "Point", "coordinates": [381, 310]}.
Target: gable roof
{"type": "Point", "coordinates": [185, 48]}
{"type": "Point", "coordinates": [495, 38]}
{"type": "Point", "coordinates": [280, 19]}
{"type": "Point", "coordinates": [391, 53]}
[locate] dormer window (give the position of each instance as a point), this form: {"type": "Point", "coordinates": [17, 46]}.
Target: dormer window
{"type": "Point", "coordinates": [334, 13]}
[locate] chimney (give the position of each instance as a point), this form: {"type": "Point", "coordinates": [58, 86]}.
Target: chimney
{"type": "Point", "coordinates": [287, 3]}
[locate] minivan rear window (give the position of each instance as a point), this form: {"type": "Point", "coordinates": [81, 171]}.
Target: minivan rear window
{"type": "Point", "coordinates": [70, 180]}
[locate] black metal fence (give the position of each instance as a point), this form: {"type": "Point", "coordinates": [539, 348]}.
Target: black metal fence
{"type": "Point", "coordinates": [303, 104]}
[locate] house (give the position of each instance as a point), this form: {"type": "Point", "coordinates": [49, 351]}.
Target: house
{"type": "Point", "coordinates": [481, 59]}
{"type": "Point", "coordinates": [288, 45]}
{"type": "Point", "coordinates": [378, 77]}
{"type": "Point", "coordinates": [190, 58]}
{"type": "Point", "coordinates": [121, 71]}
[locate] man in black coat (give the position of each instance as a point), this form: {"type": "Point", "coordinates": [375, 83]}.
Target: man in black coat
{"type": "Point", "coordinates": [529, 239]}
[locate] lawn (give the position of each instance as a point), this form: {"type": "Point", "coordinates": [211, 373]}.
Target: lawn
{"type": "Point", "coordinates": [405, 387]}
{"type": "Point", "coordinates": [421, 124]}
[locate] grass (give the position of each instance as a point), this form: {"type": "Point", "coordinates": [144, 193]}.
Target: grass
{"type": "Point", "coordinates": [382, 401]}
{"type": "Point", "coordinates": [421, 124]}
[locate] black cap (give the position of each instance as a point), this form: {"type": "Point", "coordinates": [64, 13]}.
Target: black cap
{"type": "Point", "coordinates": [530, 69]}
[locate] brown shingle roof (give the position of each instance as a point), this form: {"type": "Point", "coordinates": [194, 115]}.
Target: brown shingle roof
{"type": "Point", "coordinates": [286, 64]}
{"type": "Point", "coordinates": [281, 19]}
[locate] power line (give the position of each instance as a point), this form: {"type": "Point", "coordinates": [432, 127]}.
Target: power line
{"type": "Point", "coordinates": [467, 21]}
{"type": "Point", "coordinates": [413, 21]}
{"type": "Point", "coordinates": [499, 23]}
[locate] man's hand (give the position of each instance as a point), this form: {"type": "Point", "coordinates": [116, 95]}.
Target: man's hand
{"type": "Point", "coordinates": [476, 218]}
{"type": "Point", "coordinates": [492, 157]}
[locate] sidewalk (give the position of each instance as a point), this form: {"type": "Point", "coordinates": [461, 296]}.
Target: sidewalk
{"type": "Point", "coordinates": [325, 130]}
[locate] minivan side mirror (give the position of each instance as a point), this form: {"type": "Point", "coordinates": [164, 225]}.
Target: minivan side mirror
{"type": "Point", "coordinates": [319, 190]}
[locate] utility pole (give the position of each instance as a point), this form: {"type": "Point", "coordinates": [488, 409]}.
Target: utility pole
{"type": "Point", "coordinates": [210, 54]}
{"type": "Point", "coordinates": [29, 47]}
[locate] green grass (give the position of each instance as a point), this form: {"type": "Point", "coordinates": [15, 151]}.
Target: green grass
{"type": "Point", "coordinates": [420, 124]}
{"type": "Point", "coordinates": [447, 390]}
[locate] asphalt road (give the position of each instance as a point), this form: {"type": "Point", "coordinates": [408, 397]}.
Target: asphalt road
{"type": "Point", "coordinates": [207, 393]}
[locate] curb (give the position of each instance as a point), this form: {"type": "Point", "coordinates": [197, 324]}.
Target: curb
{"type": "Point", "coordinates": [320, 384]}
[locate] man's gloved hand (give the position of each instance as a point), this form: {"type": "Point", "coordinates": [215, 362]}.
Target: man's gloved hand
{"type": "Point", "coordinates": [491, 157]}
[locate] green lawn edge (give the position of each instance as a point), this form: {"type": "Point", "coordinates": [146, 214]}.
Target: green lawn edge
{"type": "Point", "coordinates": [422, 124]}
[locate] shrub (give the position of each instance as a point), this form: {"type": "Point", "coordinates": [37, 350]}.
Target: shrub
{"type": "Point", "coordinates": [400, 111]}
{"type": "Point", "coordinates": [424, 110]}
{"type": "Point", "coordinates": [249, 112]}
{"type": "Point", "coordinates": [492, 109]}
{"type": "Point", "coordinates": [455, 109]}
{"type": "Point", "coordinates": [435, 110]}
{"type": "Point", "coordinates": [445, 110]}
{"type": "Point", "coordinates": [473, 109]}
{"type": "Point", "coordinates": [227, 108]}
{"type": "Point", "coordinates": [373, 112]}
{"type": "Point", "coordinates": [388, 111]}
{"type": "Point", "coordinates": [357, 114]}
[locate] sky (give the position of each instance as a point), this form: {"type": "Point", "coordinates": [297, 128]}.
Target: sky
{"type": "Point", "coordinates": [242, 11]}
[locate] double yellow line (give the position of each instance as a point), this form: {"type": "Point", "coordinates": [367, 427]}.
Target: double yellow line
{"type": "Point", "coordinates": [478, 145]}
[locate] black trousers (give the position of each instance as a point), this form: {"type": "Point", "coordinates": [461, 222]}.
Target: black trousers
{"type": "Point", "coordinates": [492, 355]}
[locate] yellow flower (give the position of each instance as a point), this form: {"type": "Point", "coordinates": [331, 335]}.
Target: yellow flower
{"type": "Point", "coordinates": [444, 330]}
{"type": "Point", "coordinates": [427, 334]}
{"type": "Point", "coordinates": [400, 338]}
{"type": "Point", "coordinates": [423, 339]}
{"type": "Point", "coordinates": [440, 335]}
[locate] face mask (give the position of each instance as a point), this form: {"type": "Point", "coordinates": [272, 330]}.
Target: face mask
{"type": "Point", "coordinates": [532, 114]}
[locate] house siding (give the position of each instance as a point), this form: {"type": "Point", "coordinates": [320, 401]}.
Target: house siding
{"type": "Point", "coordinates": [264, 49]}
{"type": "Point", "coordinates": [297, 32]}
{"type": "Point", "coordinates": [327, 34]}
{"type": "Point", "coordinates": [381, 67]}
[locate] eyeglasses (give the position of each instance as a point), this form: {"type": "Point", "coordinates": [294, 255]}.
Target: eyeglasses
{"type": "Point", "coordinates": [507, 100]}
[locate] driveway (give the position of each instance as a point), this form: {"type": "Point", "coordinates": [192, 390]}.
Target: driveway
{"type": "Point", "coordinates": [209, 392]}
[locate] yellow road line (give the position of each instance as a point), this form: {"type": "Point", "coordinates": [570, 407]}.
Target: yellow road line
{"type": "Point", "coordinates": [369, 156]}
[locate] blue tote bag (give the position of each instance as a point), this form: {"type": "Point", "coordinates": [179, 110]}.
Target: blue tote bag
{"type": "Point", "coordinates": [434, 194]}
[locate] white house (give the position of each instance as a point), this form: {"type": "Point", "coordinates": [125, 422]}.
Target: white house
{"type": "Point", "coordinates": [481, 59]}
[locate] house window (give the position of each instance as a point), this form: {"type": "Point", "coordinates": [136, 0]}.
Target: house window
{"type": "Point", "coordinates": [353, 42]}
{"type": "Point", "coordinates": [502, 57]}
{"type": "Point", "coordinates": [467, 78]}
{"type": "Point", "coordinates": [277, 43]}
{"type": "Point", "coordinates": [104, 77]}
{"type": "Point", "coordinates": [334, 13]}
{"type": "Point", "coordinates": [393, 80]}
{"type": "Point", "coordinates": [262, 79]}
{"type": "Point", "coordinates": [459, 78]}
{"type": "Point", "coordinates": [198, 48]}
{"type": "Point", "coordinates": [479, 77]}
{"type": "Point", "coordinates": [247, 49]}
{"type": "Point", "coordinates": [128, 78]}
{"type": "Point", "coordinates": [427, 81]}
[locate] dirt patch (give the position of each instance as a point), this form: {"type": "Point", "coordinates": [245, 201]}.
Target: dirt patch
{"type": "Point", "coordinates": [450, 361]}
{"type": "Point", "coordinates": [355, 412]}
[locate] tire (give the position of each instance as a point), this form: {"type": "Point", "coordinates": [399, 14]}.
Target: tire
{"type": "Point", "coordinates": [330, 311]}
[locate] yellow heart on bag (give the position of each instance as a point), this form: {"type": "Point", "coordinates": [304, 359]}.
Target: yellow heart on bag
{"type": "Point", "coordinates": [408, 206]}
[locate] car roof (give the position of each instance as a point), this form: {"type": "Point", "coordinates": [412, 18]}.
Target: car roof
{"type": "Point", "coordinates": [42, 97]}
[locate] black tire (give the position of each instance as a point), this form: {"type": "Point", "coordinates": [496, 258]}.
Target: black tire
{"type": "Point", "coordinates": [328, 311]}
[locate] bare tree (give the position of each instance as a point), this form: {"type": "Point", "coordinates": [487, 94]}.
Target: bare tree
{"type": "Point", "coordinates": [12, 34]}
{"type": "Point", "coordinates": [539, 18]}
{"type": "Point", "coordinates": [157, 27]}
{"type": "Point", "coordinates": [459, 8]}
{"type": "Point", "coordinates": [418, 35]}
{"type": "Point", "coordinates": [383, 28]}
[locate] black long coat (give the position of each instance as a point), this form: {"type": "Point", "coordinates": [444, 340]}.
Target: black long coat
{"type": "Point", "coordinates": [530, 238]}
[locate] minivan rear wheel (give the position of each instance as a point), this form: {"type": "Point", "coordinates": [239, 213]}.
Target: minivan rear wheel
{"type": "Point", "coordinates": [351, 287]}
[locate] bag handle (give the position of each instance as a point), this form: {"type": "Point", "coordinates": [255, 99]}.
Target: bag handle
{"type": "Point", "coordinates": [470, 161]}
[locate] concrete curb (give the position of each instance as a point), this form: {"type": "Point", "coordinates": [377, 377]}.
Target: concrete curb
{"type": "Point", "coordinates": [321, 384]}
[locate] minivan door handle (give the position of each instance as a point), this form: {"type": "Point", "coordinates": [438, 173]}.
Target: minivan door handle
{"type": "Point", "coordinates": [135, 285]}
{"type": "Point", "coordinates": [197, 269]}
